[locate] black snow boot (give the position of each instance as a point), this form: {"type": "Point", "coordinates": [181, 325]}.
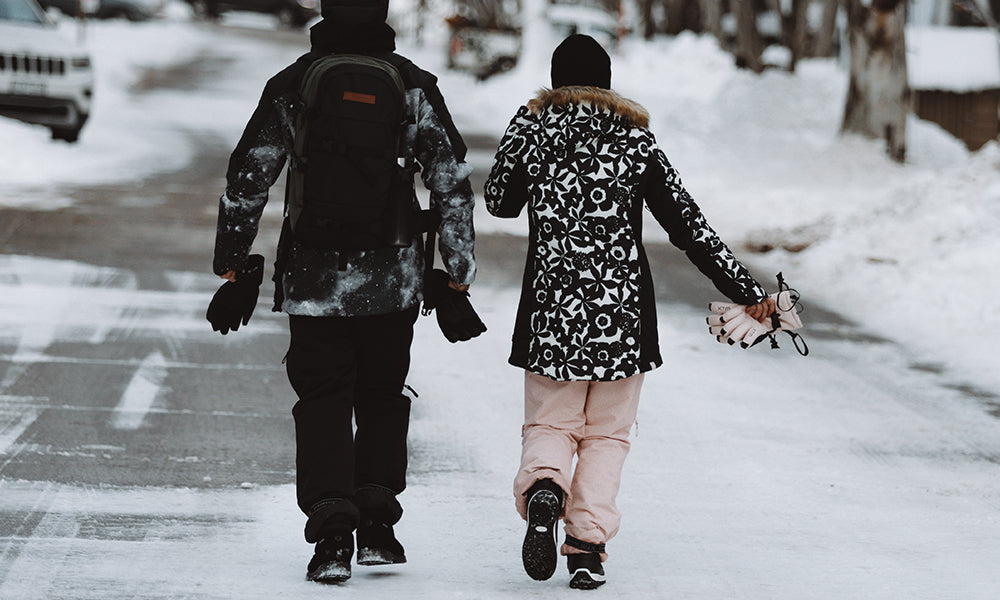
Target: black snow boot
{"type": "Point", "coordinates": [586, 571]}
{"type": "Point", "coordinates": [377, 545]}
{"type": "Point", "coordinates": [538, 553]}
{"type": "Point", "coordinates": [331, 563]}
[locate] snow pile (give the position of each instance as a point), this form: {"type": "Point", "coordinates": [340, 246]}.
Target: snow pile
{"type": "Point", "coordinates": [903, 250]}
{"type": "Point", "coordinates": [918, 267]}
{"type": "Point", "coordinates": [941, 58]}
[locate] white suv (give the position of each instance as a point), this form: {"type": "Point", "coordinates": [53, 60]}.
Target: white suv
{"type": "Point", "coordinates": [45, 78]}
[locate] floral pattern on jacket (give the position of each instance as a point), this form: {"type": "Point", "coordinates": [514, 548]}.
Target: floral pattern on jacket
{"type": "Point", "coordinates": [584, 163]}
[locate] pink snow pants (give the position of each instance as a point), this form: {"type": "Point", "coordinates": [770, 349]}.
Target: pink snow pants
{"type": "Point", "coordinates": [588, 419]}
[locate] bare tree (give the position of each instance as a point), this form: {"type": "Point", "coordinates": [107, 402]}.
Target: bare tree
{"type": "Point", "coordinates": [675, 16]}
{"type": "Point", "coordinates": [646, 18]}
{"type": "Point", "coordinates": [796, 31]}
{"type": "Point", "coordinates": [678, 16]}
{"type": "Point", "coordinates": [749, 46]}
{"type": "Point", "coordinates": [878, 94]}
{"type": "Point", "coordinates": [493, 14]}
{"type": "Point", "coordinates": [418, 29]}
{"type": "Point", "coordinates": [682, 15]}
{"type": "Point", "coordinates": [711, 18]}
{"type": "Point", "coordinates": [827, 29]}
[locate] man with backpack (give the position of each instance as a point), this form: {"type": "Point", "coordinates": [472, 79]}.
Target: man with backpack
{"type": "Point", "coordinates": [354, 121]}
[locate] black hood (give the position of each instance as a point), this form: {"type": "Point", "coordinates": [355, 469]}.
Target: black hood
{"type": "Point", "coordinates": [355, 11]}
{"type": "Point", "coordinates": [353, 26]}
{"type": "Point", "coordinates": [328, 36]}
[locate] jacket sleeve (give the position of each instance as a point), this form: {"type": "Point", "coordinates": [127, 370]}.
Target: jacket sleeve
{"type": "Point", "coordinates": [446, 176]}
{"type": "Point", "coordinates": [254, 166]}
{"type": "Point", "coordinates": [678, 214]}
{"type": "Point", "coordinates": [507, 186]}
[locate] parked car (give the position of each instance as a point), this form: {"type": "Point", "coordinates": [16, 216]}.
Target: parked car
{"type": "Point", "coordinates": [133, 10]}
{"type": "Point", "coordinates": [290, 13]}
{"type": "Point", "coordinates": [482, 51]}
{"type": "Point", "coordinates": [45, 78]}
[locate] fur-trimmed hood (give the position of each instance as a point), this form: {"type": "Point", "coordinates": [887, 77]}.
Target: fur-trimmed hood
{"type": "Point", "coordinates": [606, 100]}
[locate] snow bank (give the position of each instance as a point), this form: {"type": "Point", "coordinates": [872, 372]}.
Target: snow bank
{"type": "Point", "coordinates": [763, 156]}
{"type": "Point", "coordinates": [953, 59]}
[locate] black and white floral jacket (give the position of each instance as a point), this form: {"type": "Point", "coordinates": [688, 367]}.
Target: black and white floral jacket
{"type": "Point", "coordinates": [375, 281]}
{"type": "Point", "coordinates": [584, 163]}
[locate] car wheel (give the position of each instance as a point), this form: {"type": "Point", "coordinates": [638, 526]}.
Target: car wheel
{"type": "Point", "coordinates": [66, 134]}
{"type": "Point", "coordinates": [289, 18]}
{"type": "Point", "coordinates": [285, 17]}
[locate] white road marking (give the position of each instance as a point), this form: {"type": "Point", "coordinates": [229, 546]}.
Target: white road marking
{"type": "Point", "coordinates": [140, 393]}
{"type": "Point", "coordinates": [173, 364]}
{"type": "Point", "coordinates": [12, 425]}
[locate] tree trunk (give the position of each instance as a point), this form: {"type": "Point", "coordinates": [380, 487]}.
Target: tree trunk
{"type": "Point", "coordinates": [675, 16]}
{"type": "Point", "coordinates": [682, 15]}
{"type": "Point", "coordinates": [878, 96]}
{"type": "Point", "coordinates": [828, 28]}
{"type": "Point", "coordinates": [749, 46]}
{"type": "Point", "coordinates": [711, 18]}
{"type": "Point", "coordinates": [797, 32]}
{"type": "Point", "coordinates": [419, 29]}
{"type": "Point", "coordinates": [692, 16]}
{"type": "Point", "coordinates": [646, 16]}
{"type": "Point", "coordinates": [489, 13]}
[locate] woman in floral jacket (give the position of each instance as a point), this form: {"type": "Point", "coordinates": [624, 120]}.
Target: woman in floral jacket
{"type": "Point", "coordinates": [583, 161]}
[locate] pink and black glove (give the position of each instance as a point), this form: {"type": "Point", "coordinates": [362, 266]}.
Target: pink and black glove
{"type": "Point", "coordinates": [730, 323]}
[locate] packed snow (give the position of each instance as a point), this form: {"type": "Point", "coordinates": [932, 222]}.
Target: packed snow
{"type": "Point", "coordinates": [732, 490]}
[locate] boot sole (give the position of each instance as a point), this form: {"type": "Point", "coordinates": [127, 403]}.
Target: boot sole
{"type": "Point", "coordinates": [585, 580]}
{"type": "Point", "coordinates": [538, 553]}
{"type": "Point", "coordinates": [371, 557]}
{"type": "Point", "coordinates": [329, 573]}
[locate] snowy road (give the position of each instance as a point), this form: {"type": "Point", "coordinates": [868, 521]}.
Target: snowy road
{"type": "Point", "coordinates": [143, 456]}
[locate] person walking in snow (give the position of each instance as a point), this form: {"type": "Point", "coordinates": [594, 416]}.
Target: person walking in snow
{"type": "Point", "coordinates": [351, 312]}
{"type": "Point", "coordinates": [583, 161]}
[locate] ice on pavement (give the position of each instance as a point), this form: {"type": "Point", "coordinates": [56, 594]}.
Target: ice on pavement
{"type": "Point", "coordinates": [752, 475]}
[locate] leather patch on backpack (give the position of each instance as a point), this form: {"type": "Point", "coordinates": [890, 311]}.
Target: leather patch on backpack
{"type": "Point", "coordinates": [358, 97]}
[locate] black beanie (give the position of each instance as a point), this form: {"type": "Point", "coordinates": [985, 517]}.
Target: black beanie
{"type": "Point", "coordinates": [355, 11]}
{"type": "Point", "coordinates": [580, 60]}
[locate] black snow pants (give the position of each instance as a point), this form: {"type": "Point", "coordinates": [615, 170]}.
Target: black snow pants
{"type": "Point", "coordinates": [344, 367]}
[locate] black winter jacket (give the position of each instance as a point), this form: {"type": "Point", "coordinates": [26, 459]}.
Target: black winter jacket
{"type": "Point", "coordinates": [585, 164]}
{"type": "Point", "coordinates": [376, 281]}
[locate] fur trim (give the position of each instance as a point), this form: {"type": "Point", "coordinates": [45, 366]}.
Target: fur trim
{"type": "Point", "coordinates": [604, 99]}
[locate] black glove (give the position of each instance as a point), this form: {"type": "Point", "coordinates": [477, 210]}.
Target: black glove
{"type": "Point", "coordinates": [233, 304]}
{"type": "Point", "coordinates": [455, 316]}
